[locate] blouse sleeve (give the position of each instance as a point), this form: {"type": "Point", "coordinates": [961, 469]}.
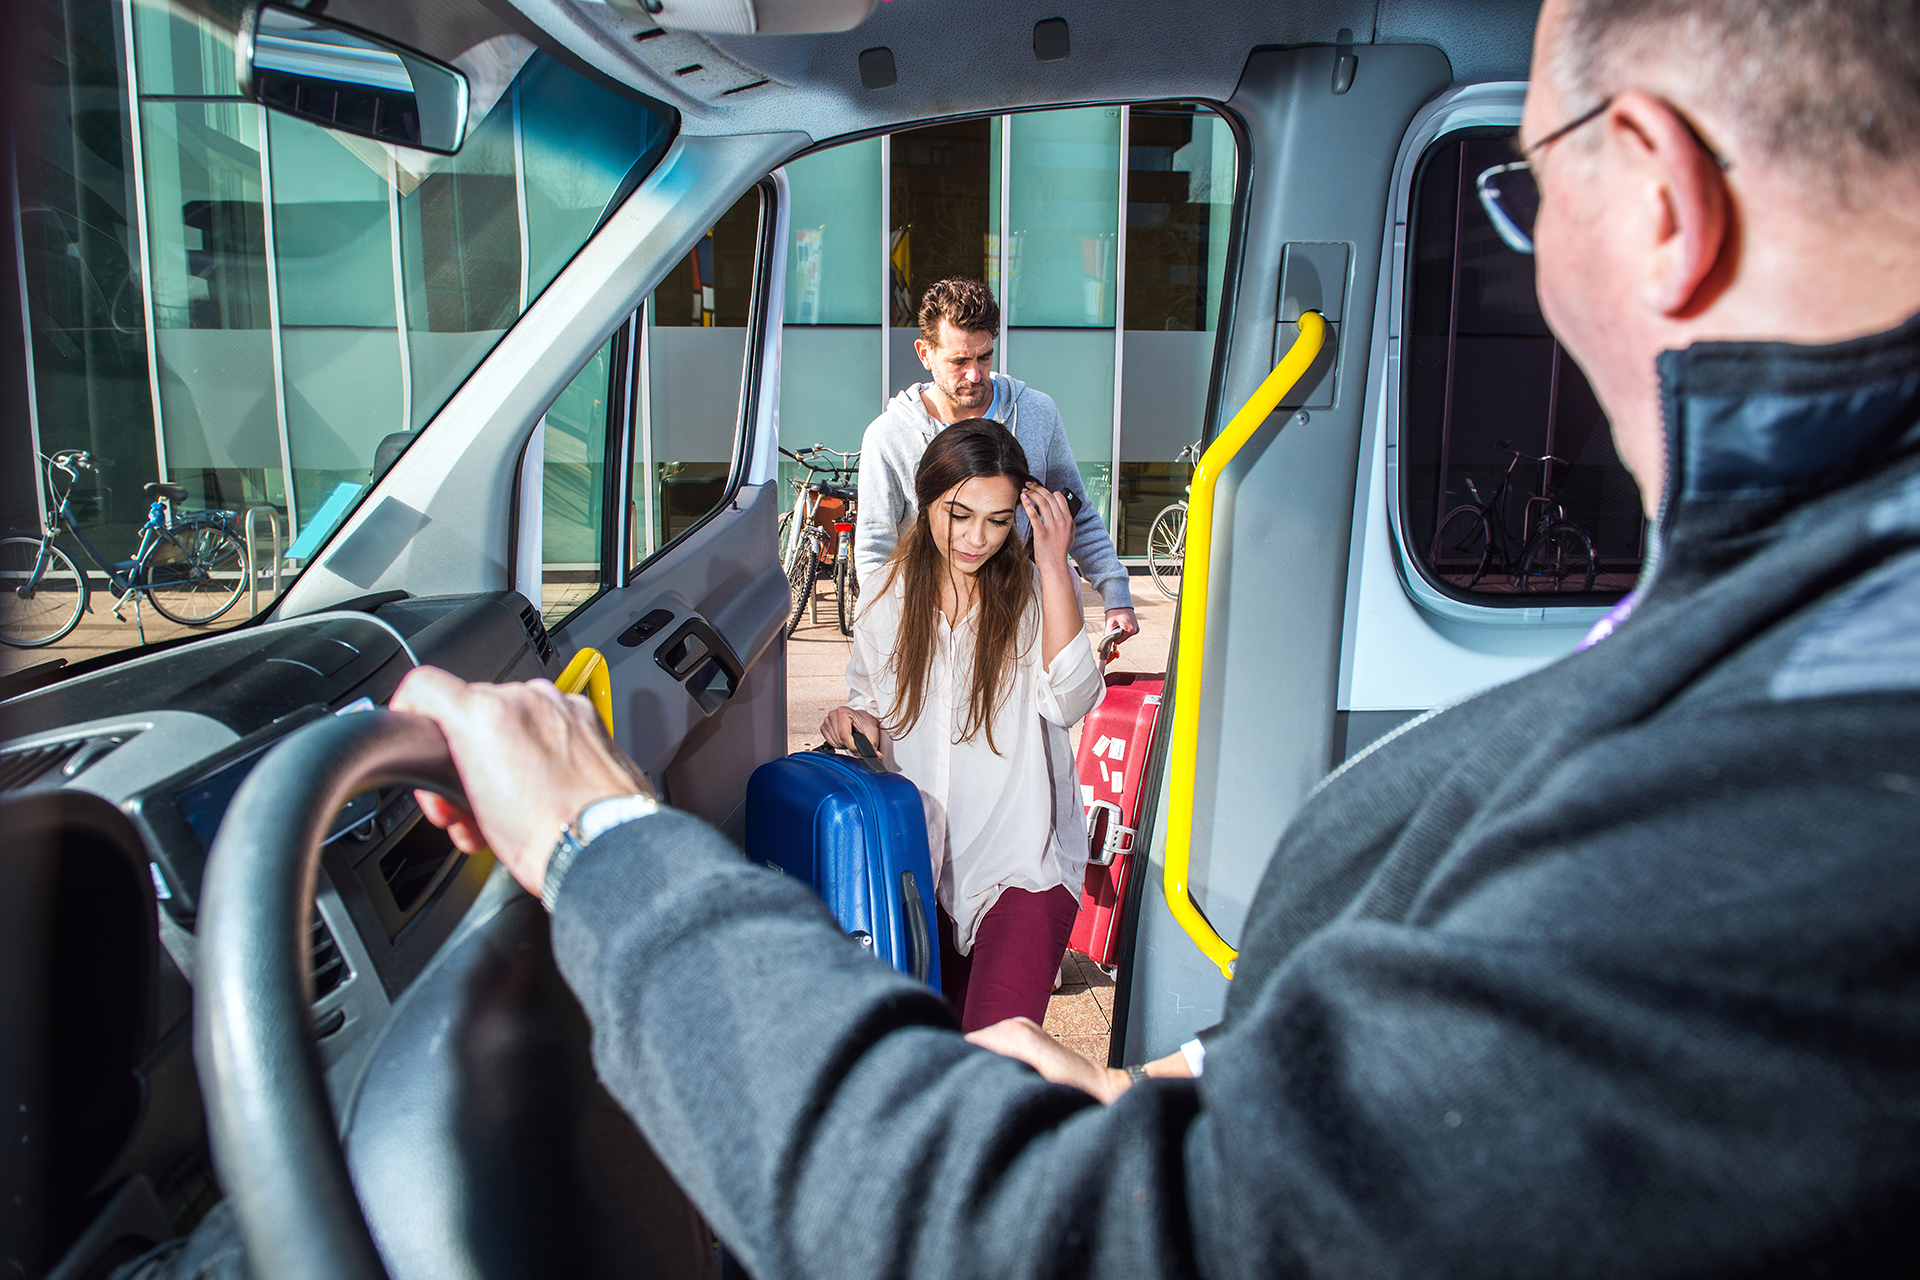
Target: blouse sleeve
{"type": "Point", "coordinates": [860, 694]}
{"type": "Point", "coordinates": [1072, 685]}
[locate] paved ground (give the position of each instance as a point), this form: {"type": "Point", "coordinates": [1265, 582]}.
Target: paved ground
{"type": "Point", "coordinates": [98, 633]}
{"type": "Point", "coordinates": [1081, 1011]}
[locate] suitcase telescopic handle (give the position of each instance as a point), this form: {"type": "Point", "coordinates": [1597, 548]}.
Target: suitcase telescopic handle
{"type": "Point", "coordinates": [916, 926]}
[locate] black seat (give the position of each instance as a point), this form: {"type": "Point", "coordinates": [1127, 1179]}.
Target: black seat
{"type": "Point", "coordinates": [834, 491]}
{"type": "Point", "coordinates": [161, 489]}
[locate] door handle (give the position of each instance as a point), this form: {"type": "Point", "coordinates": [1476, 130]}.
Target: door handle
{"type": "Point", "coordinates": [587, 673]}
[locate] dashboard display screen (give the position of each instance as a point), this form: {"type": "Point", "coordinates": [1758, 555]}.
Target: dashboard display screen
{"type": "Point", "coordinates": [204, 803]}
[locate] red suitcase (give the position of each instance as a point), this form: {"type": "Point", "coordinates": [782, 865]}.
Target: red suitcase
{"type": "Point", "coordinates": [1111, 763]}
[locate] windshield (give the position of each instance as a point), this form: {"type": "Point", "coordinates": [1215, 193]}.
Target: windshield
{"type": "Point", "coordinates": [259, 310]}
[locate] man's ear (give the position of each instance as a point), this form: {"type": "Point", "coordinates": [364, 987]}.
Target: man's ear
{"type": "Point", "coordinates": [1681, 201]}
{"type": "Point", "coordinates": [920, 349]}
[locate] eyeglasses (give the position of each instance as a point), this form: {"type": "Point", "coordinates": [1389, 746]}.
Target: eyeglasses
{"type": "Point", "coordinates": [1511, 195]}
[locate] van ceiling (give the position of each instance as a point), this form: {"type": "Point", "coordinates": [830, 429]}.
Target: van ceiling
{"type": "Point", "coordinates": [964, 59]}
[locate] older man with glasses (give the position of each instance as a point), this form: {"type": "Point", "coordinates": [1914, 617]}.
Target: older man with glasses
{"type": "Point", "coordinates": [1612, 970]}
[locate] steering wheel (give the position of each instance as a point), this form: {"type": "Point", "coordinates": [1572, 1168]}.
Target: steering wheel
{"type": "Point", "coordinates": [275, 1144]}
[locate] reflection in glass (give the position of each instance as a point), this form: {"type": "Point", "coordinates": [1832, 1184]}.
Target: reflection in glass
{"type": "Point", "coordinates": [1064, 222]}
{"type": "Point", "coordinates": [1482, 369]}
{"type": "Point", "coordinates": [695, 353]}
{"type": "Point", "coordinates": [830, 345]}
{"type": "Point", "coordinates": [1180, 180]}
{"type": "Point", "coordinates": [573, 488]}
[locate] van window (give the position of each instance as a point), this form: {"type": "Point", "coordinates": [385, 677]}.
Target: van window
{"type": "Point", "coordinates": [692, 368]}
{"type": "Point", "coordinates": [1487, 389]}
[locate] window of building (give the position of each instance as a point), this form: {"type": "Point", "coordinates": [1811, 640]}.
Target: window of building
{"type": "Point", "coordinates": [1488, 391]}
{"type": "Point", "coordinates": [692, 366]}
{"type": "Point", "coordinates": [1181, 171]}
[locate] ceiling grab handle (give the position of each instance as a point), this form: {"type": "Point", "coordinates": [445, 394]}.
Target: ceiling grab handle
{"type": "Point", "coordinates": [587, 674]}
{"type": "Point", "coordinates": [1194, 575]}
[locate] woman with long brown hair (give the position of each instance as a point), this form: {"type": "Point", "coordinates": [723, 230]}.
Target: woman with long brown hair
{"type": "Point", "coordinates": [970, 664]}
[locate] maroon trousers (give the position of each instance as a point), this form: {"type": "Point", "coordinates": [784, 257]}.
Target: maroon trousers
{"type": "Point", "coordinates": [1016, 953]}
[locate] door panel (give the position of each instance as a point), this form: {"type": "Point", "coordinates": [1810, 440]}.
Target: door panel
{"type": "Point", "coordinates": [1319, 167]}
{"type": "Point", "coordinates": [691, 634]}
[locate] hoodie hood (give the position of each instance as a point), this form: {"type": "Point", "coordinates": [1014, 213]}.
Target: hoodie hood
{"type": "Point", "coordinates": [909, 407]}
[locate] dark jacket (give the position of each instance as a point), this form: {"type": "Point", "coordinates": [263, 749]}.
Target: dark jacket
{"type": "Point", "coordinates": [1613, 970]}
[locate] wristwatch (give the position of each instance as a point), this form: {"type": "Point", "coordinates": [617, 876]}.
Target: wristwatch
{"type": "Point", "coordinates": [1136, 1073]}
{"type": "Point", "coordinates": [596, 819]}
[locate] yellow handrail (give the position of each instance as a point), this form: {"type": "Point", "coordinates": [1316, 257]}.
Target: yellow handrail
{"type": "Point", "coordinates": [1184, 761]}
{"type": "Point", "coordinates": [588, 672]}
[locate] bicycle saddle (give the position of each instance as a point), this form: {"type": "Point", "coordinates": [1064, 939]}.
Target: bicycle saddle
{"type": "Point", "coordinates": [160, 489]}
{"type": "Point", "coordinates": [835, 491]}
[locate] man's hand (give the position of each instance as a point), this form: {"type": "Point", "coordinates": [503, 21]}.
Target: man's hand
{"type": "Point", "coordinates": [1123, 621]}
{"type": "Point", "coordinates": [531, 759]}
{"type": "Point", "coordinates": [1022, 1039]}
{"type": "Point", "coordinates": [840, 724]}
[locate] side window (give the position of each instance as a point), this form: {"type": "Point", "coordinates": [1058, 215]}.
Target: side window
{"type": "Point", "coordinates": [692, 364]}
{"type": "Point", "coordinates": [574, 498]}
{"type": "Point", "coordinates": [1510, 488]}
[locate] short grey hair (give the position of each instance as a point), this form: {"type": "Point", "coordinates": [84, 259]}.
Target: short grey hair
{"type": "Point", "coordinates": [1829, 87]}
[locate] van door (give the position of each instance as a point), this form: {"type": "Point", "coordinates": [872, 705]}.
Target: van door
{"type": "Point", "coordinates": [645, 516]}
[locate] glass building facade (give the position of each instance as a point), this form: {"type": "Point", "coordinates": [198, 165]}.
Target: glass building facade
{"type": "Point", "coordinates": [263, 311]}
{"type": "Point", "coordinates": [1103, 232]}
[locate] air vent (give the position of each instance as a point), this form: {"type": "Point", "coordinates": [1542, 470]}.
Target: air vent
{"type": "Point", "coordinates": [537, 633]}
{"type": "Point", "coordinates": [329, 966]}
{"type": "Point", "coordinates": [21, 769]}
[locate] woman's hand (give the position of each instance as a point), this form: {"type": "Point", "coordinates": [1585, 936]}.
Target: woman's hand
{"type": "Point", "coordinates": [840, 724]}
{"type": "Point", "coordinates": [1052, 524]}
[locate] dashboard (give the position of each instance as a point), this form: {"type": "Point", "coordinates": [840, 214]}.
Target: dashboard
{"type": "Point", "coordinates": [167, 738]}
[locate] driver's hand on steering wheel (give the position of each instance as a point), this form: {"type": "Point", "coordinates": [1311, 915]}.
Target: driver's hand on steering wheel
{"type": "Point", "coordinates": [531, 758]}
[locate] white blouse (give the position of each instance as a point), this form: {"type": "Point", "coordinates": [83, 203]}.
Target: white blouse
{"type": "Point", "coordinates": [993, 821]}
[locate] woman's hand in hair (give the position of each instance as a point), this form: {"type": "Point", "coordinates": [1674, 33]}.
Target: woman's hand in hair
{"type": "Point", "coordinates": [1060, 614]}
{"type": "Point", "coordinates": [1052, 525]}
{"type": "Point", "coordinates": [841, 722]}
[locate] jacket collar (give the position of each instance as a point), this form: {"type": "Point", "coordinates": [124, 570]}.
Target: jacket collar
{"type": "Point", "coordinates": [1760, 420]}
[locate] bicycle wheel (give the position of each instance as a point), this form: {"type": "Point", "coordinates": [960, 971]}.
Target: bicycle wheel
{"type": "Point", "coordinates": [197, 575]}
{"type": "Point", "coordinates": [1461, 540]}
{"type": "Point", "coordinates": [844, 593]}
{"type": "Point", "coordinates": [800, 576]}
{"type": "Point", "coordinates": [30, 618]}
{"type": "Point", "coordinates": [1167, 549]}
{"type": "Point", "coordinates": [1559, 559]}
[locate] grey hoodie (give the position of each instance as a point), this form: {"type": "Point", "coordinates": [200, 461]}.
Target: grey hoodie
{"type": "Point", "coordinates": [890, 454]}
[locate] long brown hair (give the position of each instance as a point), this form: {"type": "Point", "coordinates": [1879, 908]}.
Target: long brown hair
{"type": "Point", "coordinates": [977, 447]}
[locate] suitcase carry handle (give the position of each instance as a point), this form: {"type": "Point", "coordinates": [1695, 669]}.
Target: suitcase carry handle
{"type": "Point", "coordinates": [916, 925]}
{"type": "Point", "coordinates": [1108, 643]}
{"type": "Point", "coordinates": [864, 749]}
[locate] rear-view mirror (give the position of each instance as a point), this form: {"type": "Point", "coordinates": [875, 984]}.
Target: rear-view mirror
{"type": "Point", "coordinates": [352, 80]}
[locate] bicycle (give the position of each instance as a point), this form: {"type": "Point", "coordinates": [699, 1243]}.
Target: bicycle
{"type": "Point", "coordinates": [1553, 549]}
{"type": "Point", "coordinates": [816, 536]}
{"type": "Point", "coordinates": [1167, 538]}
{"type": "Point", "coordinates": [190, 564]}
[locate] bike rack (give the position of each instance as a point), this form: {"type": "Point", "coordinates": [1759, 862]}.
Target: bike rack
{"type": "Point", "coordinates": [253, 572]}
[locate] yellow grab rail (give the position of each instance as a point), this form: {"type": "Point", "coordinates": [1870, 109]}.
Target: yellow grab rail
{"type": "Point", "coordinates": [1184, 760]}
{"type": "Point", "coordinates": [588, 673]}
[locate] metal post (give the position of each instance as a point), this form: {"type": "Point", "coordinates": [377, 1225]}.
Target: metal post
{"type": "Point", "coordinates": [1006, 234]}
{"type": "Point", "coordinates": [137, 147]}
{"type": "Point", "coordinates": [248, 536]}
{"type": "Point", "coordinates": [26, 335]}
{"type": "Point", "coordinates": [399, 295]}
{"type": "Point", "coordinates": [646, 420]}
{"type": "Point", "coordinates": [520, 194]}
{"type": "Point", "coordinates": [273, 325]}
{"type": "Point", "coordinates": [1119, 326]}
{"type": "Point", "coordinates": [886, 270]}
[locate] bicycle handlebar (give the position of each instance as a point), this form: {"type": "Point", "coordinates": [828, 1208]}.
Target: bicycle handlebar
{"type": "Point", "coordinates": [68, 459]}
{"type": "Point", "coordinates": [1504, 447]}
{"type": "Point", "coordinates": [849, 461]}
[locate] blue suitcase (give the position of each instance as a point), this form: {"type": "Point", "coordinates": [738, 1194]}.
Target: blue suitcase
{"type": "Point", "coordinates": [858, 835]}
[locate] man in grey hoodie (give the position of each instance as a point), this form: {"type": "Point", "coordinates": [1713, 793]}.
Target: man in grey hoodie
{"type": "Point", "coordinates": [958, 322]}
